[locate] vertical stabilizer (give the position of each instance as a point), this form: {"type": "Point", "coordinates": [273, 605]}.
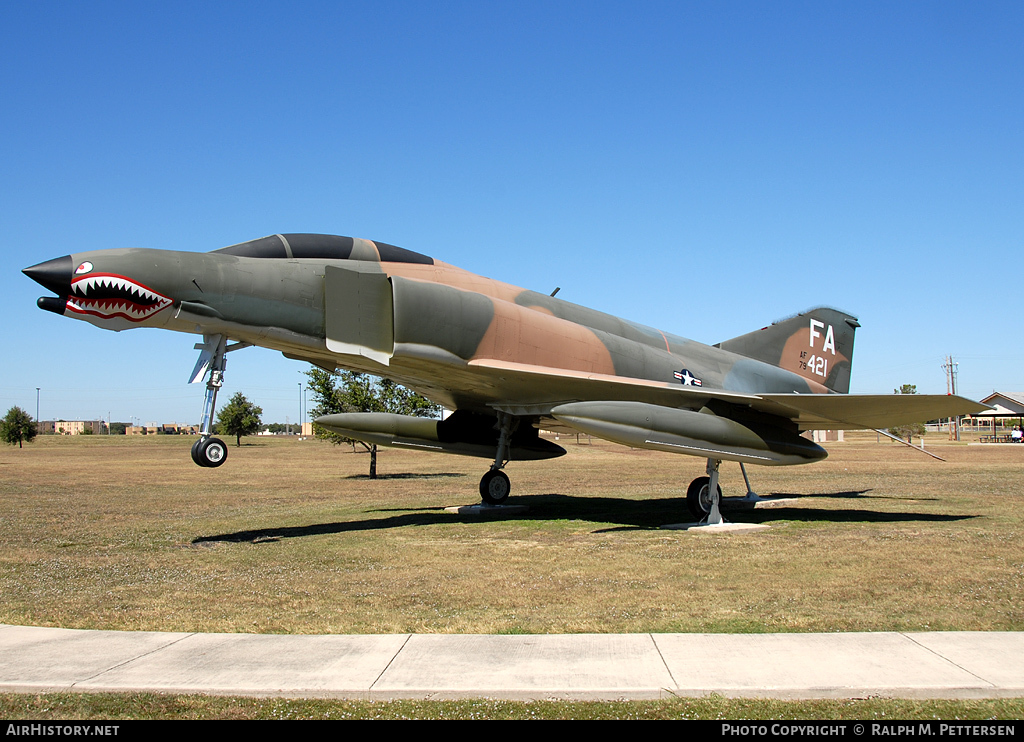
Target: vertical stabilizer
{"type": "Point", "coordinates": [817, 345]}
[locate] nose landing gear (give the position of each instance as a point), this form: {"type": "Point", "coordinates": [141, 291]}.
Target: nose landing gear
{"type": "Point", "coordinates": [209, 451]}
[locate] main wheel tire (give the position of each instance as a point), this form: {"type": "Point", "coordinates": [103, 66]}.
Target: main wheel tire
{"type": "Point", "coordinates": [195, 453]}
{"type": "Point", "coordinates": [698, 497]}
{"type": "Point", "coordinates": [495, 487]}
{"type": "Point", "coordinates": [212, 452]}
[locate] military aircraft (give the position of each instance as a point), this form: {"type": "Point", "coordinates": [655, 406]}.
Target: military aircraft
{"type": "Point", "coordinates": [508, 362]}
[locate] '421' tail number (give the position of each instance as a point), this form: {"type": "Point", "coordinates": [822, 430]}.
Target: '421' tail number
{"type": "Point", "coordinates": [818, 364]}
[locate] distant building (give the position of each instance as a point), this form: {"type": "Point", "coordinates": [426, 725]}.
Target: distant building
{"type": "Point", "coordinates": [827, 436]}
{"type": "Point", "coordinates": [1008, 409]}
{"type": "Point", "coordinates": [165, 429]}
{"type": "Point", "coordinates": [178, 429]}
{"type": "Point", "coordinates": [71, 427]}
{"type": "Point", "coordinates": [306, 429]}
{"type": "Point", "coordinates": [1006, 403]}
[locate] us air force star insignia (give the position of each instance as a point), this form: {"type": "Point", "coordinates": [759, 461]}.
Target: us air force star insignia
{"type": "Point", "coordinates": [687, 378]}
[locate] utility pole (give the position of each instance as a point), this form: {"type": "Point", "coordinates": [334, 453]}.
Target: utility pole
{"type": "Point", "coordinates": [950, 367]}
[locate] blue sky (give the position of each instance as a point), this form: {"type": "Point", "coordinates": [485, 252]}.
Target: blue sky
{"type": "Point", "coordinates": [705, 168]}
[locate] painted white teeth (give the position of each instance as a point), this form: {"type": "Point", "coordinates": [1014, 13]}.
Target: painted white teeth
{"type": "Point", "coordinates": [136, 303]}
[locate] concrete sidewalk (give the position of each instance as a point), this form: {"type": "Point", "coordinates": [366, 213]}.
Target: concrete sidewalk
{"type": "Point", "coordinates": [560, 666]}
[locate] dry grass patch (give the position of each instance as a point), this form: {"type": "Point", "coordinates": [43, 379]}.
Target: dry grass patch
{"type": "Point", "coordinates": [291, 537]}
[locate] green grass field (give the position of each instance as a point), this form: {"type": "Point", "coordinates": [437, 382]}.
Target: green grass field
{"type": "Point", "coordinates": [291, 537]}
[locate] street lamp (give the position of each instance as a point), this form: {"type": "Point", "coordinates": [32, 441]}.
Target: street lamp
{"type": "Point", "coordinates": [37, 405]}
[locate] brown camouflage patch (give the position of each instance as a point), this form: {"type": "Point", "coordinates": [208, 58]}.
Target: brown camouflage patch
{"type": "Point", "coordinates": [527, 336]}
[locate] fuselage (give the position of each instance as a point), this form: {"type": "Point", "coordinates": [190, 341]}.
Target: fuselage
{"type": "Point", "coordinates": [441, 316]}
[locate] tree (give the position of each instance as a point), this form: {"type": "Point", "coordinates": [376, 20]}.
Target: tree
{"type": "Point", "coordinates": [17, 426]}
{"type": "Point", "coordinates": [350, 391]}
{"type": "Point", "coordinates": [239, 417]}
{"type": "Point", "coordinates": [908, 430]}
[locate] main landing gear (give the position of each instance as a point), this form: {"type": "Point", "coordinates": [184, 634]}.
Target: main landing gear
{"type": "Point", "coordinates": [495, 485]}
{"type": "Point", "coordinates": [703, 498]}
{"type": "Point", "coordinates": [703, 495]}
{"type": "Point", "coordinates": [209, 451]}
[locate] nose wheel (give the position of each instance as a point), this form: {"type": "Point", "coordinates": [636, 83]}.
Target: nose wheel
{"type": "Point", "coordinates": [210, 452]}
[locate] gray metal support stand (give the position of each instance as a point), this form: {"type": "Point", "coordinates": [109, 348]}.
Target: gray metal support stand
{"type": "Point", "coordinates": [751, 496]}
{"type": "Point", "coordinates": [715, 516]}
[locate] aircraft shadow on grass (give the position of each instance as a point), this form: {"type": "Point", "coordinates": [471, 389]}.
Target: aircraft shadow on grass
{"type": "Point", "coordinates": [626, 514]}
{"type": "Point", "coordinates": [851, 494]}
{"type": "Point", "coordinates": [409, 475]}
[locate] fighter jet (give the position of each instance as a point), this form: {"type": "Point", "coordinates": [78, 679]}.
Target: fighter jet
{"type": "Point", "coordinates": [507, 362]}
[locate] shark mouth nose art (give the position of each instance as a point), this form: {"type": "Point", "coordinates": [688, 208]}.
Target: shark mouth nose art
{"type": "Point", "coordinates": [109, 295]}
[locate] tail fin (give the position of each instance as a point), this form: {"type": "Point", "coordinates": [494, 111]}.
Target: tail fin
{"type": "Point", "coordinates": [817, 345]}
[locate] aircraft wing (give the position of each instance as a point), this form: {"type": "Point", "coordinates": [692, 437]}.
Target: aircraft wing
{"type": "Point", "coordinates": [864, 411]}
{"type": "Point", "coordinates": [536, 389]}
{"type": "Point", "coordinates": [550, 387]}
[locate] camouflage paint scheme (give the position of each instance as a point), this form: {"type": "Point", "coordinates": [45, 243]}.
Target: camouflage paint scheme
{"type": "Point", "coordinates": [491, 351]}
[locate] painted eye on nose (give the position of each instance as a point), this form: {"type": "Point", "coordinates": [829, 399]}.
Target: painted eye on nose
{"type": "Point", "coordinates": [83, 268]}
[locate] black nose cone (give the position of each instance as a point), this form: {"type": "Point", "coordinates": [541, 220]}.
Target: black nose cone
{"type": "Point", "coordinates": [53, 274]}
